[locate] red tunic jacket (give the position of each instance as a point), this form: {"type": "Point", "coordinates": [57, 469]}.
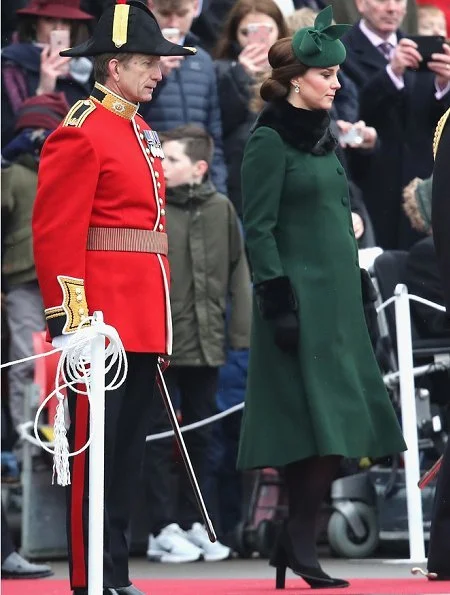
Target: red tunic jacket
{"type": "Point", "coordinates": [97, 170]}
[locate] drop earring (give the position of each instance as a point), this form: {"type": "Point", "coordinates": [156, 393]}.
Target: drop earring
{"type": "Point", "coordinates": [296, 88]}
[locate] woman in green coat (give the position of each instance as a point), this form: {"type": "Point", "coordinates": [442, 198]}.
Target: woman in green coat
{"type": "Point", "coordinates": [314, 393]}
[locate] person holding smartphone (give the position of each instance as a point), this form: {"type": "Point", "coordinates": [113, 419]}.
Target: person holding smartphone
{"type": "Point", "coordinates": [33, 66]}
{"type": "Point", "coordinates": [241, 63]}
{"type": "Point", "coordinates": [188, 90]}
{"type": "Point", "coordinates": [403, 101]}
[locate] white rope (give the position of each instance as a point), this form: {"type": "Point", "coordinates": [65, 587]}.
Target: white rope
{"type": "Point", "coordinates": [197, 424]}
{"type": "Point", "coordinates": [386, 303]}
{"type": "Point", "coordinates": [391, 379]}
{"type": "Point", "coordinates": [416, 298]}
{"type": "Point", "coordinates": [23, 429]}
{"type": "Point", "coordinates": [74, 358]}
{"type": "Point", "coordinates": [74, 370]}
{"type": "Point", "coordinates": [30, 358]}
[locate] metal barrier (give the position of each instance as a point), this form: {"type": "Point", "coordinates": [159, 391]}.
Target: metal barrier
{"type": "Point", "coordinates": [97, 401]}
{"type": "Point", "coordinates": [406, 374]}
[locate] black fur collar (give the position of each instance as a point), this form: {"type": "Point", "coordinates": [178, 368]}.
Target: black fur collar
{"type": "Point", "coordinates": [306, 130]}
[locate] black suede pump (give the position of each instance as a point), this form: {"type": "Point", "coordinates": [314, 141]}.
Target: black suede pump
{"type": "Point", "coordinates": [283, 557]}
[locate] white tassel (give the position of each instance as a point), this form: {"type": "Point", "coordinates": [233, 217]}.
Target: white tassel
{"type": "Point", "coordinates": [61, 446]}
{"type": "Point", "coordinates": [72, 372]}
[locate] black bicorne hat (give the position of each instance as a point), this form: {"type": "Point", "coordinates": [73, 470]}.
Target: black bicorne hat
{"type": "Point", "coordinates": [128, 27]}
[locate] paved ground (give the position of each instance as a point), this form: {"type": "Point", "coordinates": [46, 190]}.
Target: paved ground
{"type": "Point", "coordinates": [256, 568]}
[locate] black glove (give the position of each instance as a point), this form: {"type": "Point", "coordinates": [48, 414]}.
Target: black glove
{"type": "Point", "coordinates": [369, 297]}
{"type": "Point", "coordinates": [369, 293]}
{"type": "Point", "coordinates": [286, 332]}
{"type": "Point", "coordinates": [277, 302]}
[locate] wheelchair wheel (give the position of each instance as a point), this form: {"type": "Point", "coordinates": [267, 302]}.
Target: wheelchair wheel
{"type": "Point", "coordinates": [265, 538]}
{"type": "Point", "coordinates": [342, 539]}
{"type": "Point", "coordinates": [241, 545]}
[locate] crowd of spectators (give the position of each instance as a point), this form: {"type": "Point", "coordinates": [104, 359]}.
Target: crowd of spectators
{"type": "Point", "coordinates": [384, 116]}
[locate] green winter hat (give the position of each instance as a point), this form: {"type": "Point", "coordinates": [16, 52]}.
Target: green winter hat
{"type": "Point", "coordinates": [319, 46]}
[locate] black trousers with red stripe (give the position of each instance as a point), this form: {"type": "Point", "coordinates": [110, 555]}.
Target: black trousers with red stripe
{"type": "Point", "coordinates": [439, 546]}
{"type": "Point", "coordinates": [127, 411]}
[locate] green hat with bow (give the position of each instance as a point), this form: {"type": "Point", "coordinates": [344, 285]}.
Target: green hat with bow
{"type": "Point", "coordinates": [320, 46]}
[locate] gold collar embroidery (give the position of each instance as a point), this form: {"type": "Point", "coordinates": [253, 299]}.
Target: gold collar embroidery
{"type": "Point", "coordinates": [114, 103]}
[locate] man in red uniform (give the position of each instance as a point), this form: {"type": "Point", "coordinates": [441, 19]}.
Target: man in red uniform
{"type": "Point", "coordinates": [100, 244]}
{"type": "Point", "coordinates": [439, 546]}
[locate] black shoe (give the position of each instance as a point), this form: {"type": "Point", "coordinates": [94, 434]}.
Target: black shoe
{"type": "Point", "coordinates": [283, 557]}
{"type": "Point", "coordinates": [106, 591]}
{"type": "Point", "coordinates": [438, 576]}
{"type": "Point", "coordinates": [17, 567]}
{"type": "Point", "coordinates": [130, 590]}
{"type": "Point", "coordinates": [432, 575]}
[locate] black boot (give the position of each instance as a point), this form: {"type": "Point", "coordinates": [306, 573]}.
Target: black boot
{"type": "Point", "coordinates": [106, 591]}
{"type": "Point", "coordinates": [130, 590]}
{"type": "Point", "coordinates": [307, 482]}
{"type": "Point", "coordinates": [283, 557]}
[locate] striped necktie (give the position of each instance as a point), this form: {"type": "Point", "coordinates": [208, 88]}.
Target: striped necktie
{"type": "Point", "coordinates": [386, 49]}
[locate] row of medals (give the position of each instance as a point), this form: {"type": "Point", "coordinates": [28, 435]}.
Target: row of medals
{"type": "Point", "coordinates": [153, 143]}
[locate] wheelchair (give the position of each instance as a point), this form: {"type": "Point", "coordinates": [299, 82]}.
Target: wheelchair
{"type": "Point", "coordinates": [370, 508]}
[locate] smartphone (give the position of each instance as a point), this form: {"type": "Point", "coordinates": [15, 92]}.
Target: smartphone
{"type": "Point", "coordinates": [426, 46]}
{"type": "Point", "coordinates": [59, 40]}
{"type": "Point", "coordinates": [171, 34]}
{"type": "Point", "coordinates": [351, 137]}
{"type": "Point", "coordinates": [258, 33]}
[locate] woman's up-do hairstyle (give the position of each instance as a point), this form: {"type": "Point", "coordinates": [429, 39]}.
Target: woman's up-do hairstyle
{"type": "Point", "coordinates": [310, 47]}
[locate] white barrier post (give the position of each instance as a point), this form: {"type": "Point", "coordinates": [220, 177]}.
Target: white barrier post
{"type": "Point", "coordinates": [96, 462]}
{"type": "Point", "coordinates": [409, 423]}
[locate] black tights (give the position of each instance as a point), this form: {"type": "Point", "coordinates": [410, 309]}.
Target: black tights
{"type": "Point", "coordinates": [307, 482]}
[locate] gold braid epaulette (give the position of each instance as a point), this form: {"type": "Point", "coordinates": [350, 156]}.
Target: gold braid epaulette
{"type": "Point", "coordinates": [439, 130]}
{"type": "Point", "coordinates": [79, 112]}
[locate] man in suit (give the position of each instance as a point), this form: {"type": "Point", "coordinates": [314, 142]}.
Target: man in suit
{"type": "Point", "coordinates": [314, 4]}
{"type": "Point", "coordinates": [403, 105]}
{"type": "Point", "coordinates": [346, 11]}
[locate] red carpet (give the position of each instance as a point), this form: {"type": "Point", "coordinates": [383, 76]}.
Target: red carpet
{"type": "Point", "coordinates": [411, 586]}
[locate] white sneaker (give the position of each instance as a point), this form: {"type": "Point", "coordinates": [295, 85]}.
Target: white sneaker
{"type": "Point", "coordinates": [212, 552]}
{"type": "Point", "coordinates": [172, 546]}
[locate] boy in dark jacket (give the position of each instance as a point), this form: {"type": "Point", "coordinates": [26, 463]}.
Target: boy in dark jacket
{"type": "Point", "coordinates": [208, 266]}
{"type": "Point", "coordinates": [188, 92]}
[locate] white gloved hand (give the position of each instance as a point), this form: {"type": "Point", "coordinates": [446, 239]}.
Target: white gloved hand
{"type": "Point", "coordinates": [61, 341]}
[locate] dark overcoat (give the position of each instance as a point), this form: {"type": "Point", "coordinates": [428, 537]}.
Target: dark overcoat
{"type": "Point", "coordinates": [329, 397]}
{"type": "Point", "coordinates": [405, 120]}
